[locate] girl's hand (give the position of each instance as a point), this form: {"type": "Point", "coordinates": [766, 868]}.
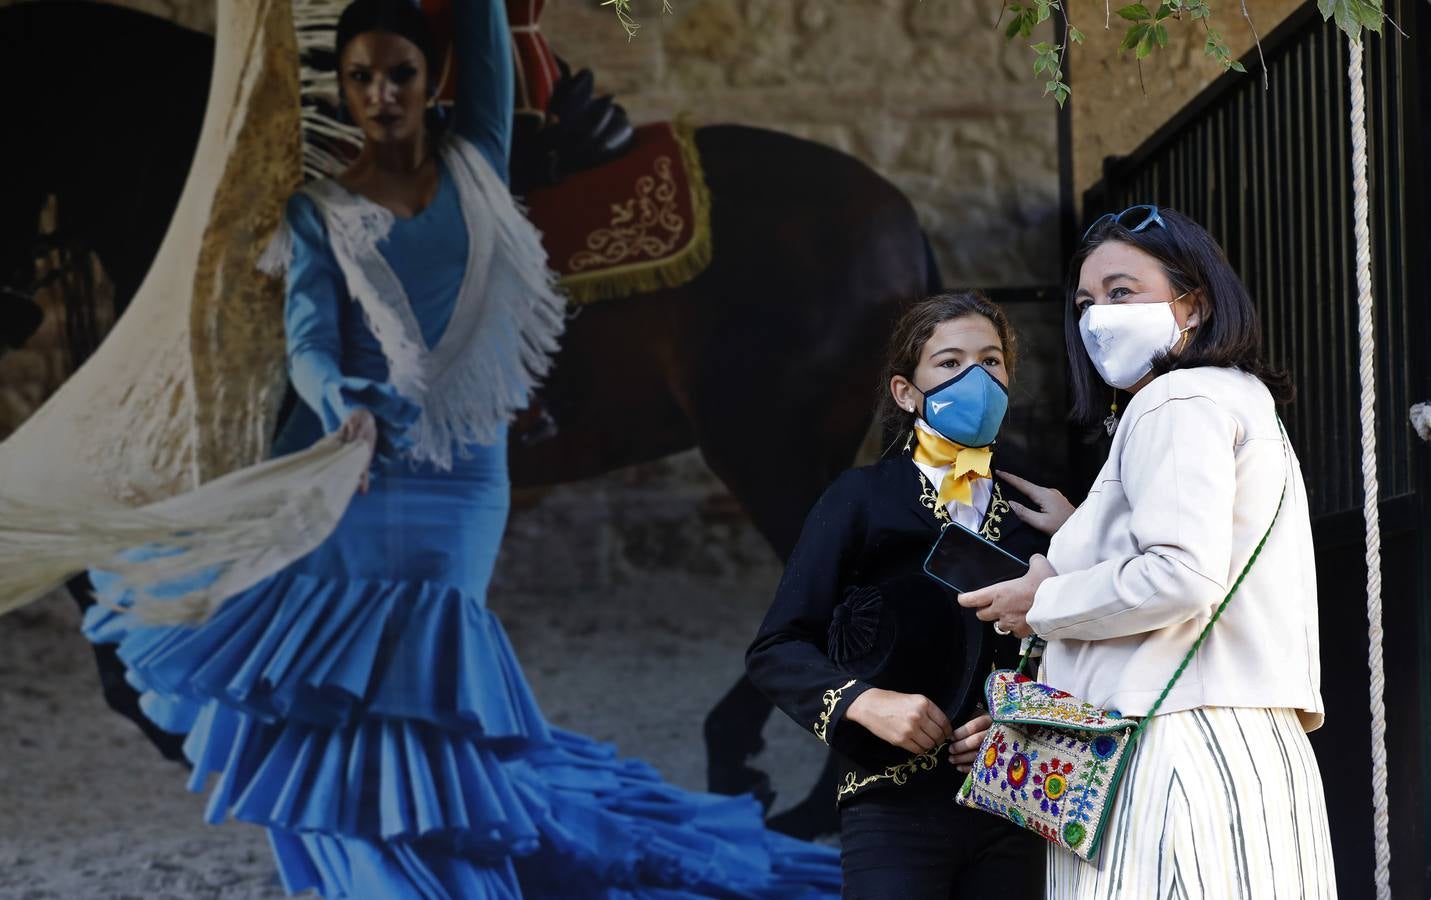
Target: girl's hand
{"type": "Point", "coordinates": [964, 748]}
{"type": "Point", "coordinates": [1008, 602]}
{"type": "Point", "coordinates": [1053, 508]}
{"type": "Point", "coordinates": [360, 426]}
{"type": "Point", "coordinates": [910, 721]}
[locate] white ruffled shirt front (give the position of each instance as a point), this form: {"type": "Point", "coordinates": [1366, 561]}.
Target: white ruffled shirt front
{"type": "Point", "coordinates": [971, 517]}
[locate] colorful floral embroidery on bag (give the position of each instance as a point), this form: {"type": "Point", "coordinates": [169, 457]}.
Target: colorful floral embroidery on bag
{"type": "Point", "coordinates": [1051, 763]}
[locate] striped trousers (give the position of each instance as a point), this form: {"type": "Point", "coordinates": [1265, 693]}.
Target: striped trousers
{"type": "Point", "coordinates": [1218, 803]}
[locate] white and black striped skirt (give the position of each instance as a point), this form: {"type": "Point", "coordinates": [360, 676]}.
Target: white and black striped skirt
{"type": "Point", "coordinates": [1219, 803]}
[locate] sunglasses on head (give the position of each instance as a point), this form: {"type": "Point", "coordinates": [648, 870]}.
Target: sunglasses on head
{"type": "Point", "coordinates": [1144, 214]}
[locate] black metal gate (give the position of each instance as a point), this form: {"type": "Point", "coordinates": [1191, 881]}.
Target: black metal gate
{"type": "Point", "coordinates": [1268, 172]}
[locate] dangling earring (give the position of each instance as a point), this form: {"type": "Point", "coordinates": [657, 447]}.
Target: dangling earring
{"type": "Point", "coordinates": [1182, 344]}
{"type": "Point", "coordinates": [1111, 423]}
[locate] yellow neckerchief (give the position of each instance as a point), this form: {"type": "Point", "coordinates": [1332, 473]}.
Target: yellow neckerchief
{"type": "Point", "coordinates": [966, 464]}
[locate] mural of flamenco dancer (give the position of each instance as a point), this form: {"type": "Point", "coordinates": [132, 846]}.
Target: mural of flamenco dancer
{"type": "Point", "coordinates": [737, 269]}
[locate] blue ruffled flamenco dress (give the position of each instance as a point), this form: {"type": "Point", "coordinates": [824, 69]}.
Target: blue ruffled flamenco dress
{"type": "Point", "coordinates": [365, 706]}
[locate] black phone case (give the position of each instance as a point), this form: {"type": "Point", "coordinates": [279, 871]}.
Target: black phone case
{"type": "Point", "coordinates": [980, 545]}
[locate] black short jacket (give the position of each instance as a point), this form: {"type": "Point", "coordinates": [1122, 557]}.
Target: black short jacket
{"type": "Point", "coordinates": [875, 526]}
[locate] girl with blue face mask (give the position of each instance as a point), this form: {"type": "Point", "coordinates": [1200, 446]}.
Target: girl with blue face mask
{"type": "Point", "coordinates": [874, 657]}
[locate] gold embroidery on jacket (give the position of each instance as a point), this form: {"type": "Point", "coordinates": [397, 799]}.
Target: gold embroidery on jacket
{"type": "Point", "coordinates": [898, 774]}
{"type": "Point", "coordinates": [998, 506]}
{"type": "Point", "coordinates": [831, 698]}
{"type": "Point", "coordinates": [930, 498]}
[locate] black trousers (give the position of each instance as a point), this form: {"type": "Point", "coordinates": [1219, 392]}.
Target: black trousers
{"type": "Point", "coordinates": [905, 842]}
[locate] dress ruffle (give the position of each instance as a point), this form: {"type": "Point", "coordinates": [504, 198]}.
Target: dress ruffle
{"type": "Point", "coordinates": [327, 651]}
{"type": "Point", "coordinates": [384, 734]}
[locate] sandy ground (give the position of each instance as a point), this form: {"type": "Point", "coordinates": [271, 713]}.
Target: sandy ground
{"type": "Point", "coordinates": [89, 810]}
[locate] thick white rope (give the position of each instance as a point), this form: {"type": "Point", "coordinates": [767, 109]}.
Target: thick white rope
{"type": "Point", "coordinates": [1370, 489]}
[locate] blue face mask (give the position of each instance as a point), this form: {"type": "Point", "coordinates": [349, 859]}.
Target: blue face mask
{"type": "Point", "coordinates": [968, 408]}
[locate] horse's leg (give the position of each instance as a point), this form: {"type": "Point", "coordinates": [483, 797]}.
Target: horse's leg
{"type": "Point", "coordinates": [777, 481]}
{"type": "Point", "coordinates": [815, 255]}
{"type": "Point", "coordinates": [119, 694]}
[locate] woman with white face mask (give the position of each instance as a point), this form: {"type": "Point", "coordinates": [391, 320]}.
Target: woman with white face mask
{"type": "Point", "coordinates": [1223, 797]}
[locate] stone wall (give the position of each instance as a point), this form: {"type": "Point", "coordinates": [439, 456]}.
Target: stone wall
{"type": "Point", "coordinates": [1116, 108]}
{"type": "Point", "coordinates": [927, 92]}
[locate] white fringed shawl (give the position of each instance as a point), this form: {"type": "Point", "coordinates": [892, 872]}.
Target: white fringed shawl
{"type": "Point", "coordinates": [504, 326]}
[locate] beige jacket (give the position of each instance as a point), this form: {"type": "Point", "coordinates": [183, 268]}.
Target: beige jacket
{"type": "Point", "coordinates": [1190, 486]}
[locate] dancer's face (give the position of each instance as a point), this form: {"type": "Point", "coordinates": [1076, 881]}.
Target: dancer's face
{"type": "Point", "coordinates": [384, 82]}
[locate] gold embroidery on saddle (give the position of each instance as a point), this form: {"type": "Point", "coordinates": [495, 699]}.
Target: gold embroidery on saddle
{"type": "Point", "coordinates": [646, 226]}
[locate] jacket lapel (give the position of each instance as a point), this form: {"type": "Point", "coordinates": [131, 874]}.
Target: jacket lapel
{"type": "Point", "coordinates": [921, 497]}
{"type": "Point", "coordinates": [919, 494]}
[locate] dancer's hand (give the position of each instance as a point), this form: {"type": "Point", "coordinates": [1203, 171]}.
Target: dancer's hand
{"type": "Point", "coordinates": [360, 426]}
{"type": "Point", "coordinates": [1053, 508]}
{"type": "Point", "coordinates": [964, 748]}
{"type": "Point", "coordinates": [1007, 603]}
{"type": "Point", "coordinates": [910, 721]}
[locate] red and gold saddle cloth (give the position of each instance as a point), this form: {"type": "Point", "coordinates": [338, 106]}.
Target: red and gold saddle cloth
{"type": "Point", "coordinates": [638, 223]}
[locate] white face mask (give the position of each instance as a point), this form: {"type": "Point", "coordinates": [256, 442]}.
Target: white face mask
{"type": "Point", "coordinates": [1123, 338]}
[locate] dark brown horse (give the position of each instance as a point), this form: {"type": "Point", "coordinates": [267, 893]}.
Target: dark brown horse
{"type": "Point", "coordinates": [766, 362]}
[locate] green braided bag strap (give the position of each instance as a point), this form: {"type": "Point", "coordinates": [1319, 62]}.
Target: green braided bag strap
{"type": "Point", "coordinates": [1225, 600]}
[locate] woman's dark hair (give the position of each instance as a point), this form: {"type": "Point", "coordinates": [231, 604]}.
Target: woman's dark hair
{"type": "Point", "coordinates": [1229, 335]}
{"type": "Point", "coordinates": [914, 329]}
{"type": "Point", "coordinates": [399, 17]}
{"type": "Point", "coordinates": [404, 19]}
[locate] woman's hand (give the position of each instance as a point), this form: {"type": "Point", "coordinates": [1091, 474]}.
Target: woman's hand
{"type": "Point", "coordinates": [964, 749]}
{"type": "Point", "coordinates": [910, 721]}
{"type": "Point", "coordinates": [360, 426]}
{"type": "Point", "coordinates": [1053, 508]}
{"type": "Point", "coordinates": [1008, 602]}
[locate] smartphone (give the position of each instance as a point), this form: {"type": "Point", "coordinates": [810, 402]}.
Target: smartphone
{"type": "Point", "coordinates": [966, 561]}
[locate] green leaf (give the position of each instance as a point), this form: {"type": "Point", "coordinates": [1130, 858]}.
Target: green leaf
{"type": "Point", "coordinates": [1022, 23]}
{"type": "Point", "coordinates": [1326, 7]}
{"type": "Point", "coordinates": [1346, 18]}
{"type": "Point", "coordinates": [1043, 13]}
{"type": "Point", "coordinates": [1237, 67]}
{"type": "Point", "coordinates": [1163, 11]}
{"type": "Point", "coordinates": [1138, 12]}
{"type": "Point", "coordinates": [1042, 47]}
{"type": "Point", "coordinates": [1370, 14]}
{"type": "Point", "coordinates": [1075, 35]}
{"type": "Point", "coordinates": [1145, 46]}
{"type": "Point", "coordinates": [1050, 86]}
{"type": "Point", "coordinates": [1161, 33]}
{"type": "Point", "coordinates": [1131, 39]}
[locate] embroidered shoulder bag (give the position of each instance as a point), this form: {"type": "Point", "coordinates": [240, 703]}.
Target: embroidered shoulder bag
{"type": "Point", "coordinates": [1052, 763]}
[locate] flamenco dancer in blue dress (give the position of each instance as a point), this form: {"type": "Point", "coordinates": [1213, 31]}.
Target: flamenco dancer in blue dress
{"type": "Point", "coordinates": [363, 705]}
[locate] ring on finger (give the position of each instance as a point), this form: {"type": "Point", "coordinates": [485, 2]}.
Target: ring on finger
{"type": "Point", "coordinates": [1000, 629]}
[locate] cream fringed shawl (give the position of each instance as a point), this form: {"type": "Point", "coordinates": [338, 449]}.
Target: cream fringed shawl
{"type": "Point", "coordinates": [158, 444]}
{"type": "Point", "coordinates": [185, 389]}
{"type": "Point", "coordinates": [159, 440]}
